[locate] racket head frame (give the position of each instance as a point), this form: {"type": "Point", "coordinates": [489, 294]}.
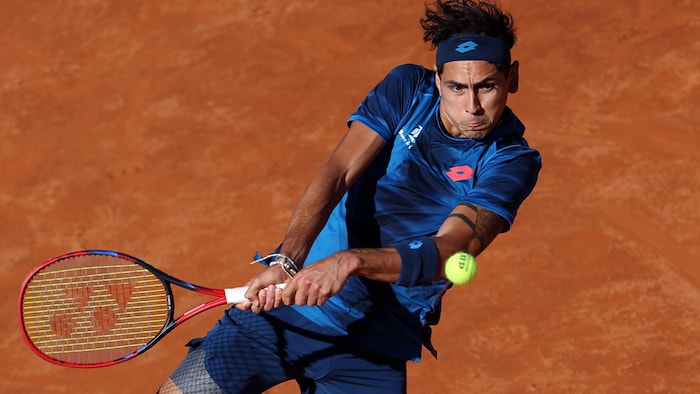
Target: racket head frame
{"type": "Point", "coordinates": [165, 279]}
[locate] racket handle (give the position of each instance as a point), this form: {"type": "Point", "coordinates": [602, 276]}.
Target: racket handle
{"type": "Point", "coordinates": [236, 295]}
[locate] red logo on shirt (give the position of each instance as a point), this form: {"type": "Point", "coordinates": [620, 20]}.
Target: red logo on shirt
{"type": "Point", "coordinates": [461, 173]}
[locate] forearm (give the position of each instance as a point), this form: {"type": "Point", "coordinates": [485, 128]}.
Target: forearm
{"type": "Point", "coordinates": [386, 265]}
{"type": "Point", "coordinates": [469, 229]}
{"type": "Point", "coordinates": [351, 157]}
{"type": "Point", "coordinates": [381, 264]}
{"type": "Point", "coordinates": [414, 262]}
{"type": "Point", "coordinates": [312, 211]}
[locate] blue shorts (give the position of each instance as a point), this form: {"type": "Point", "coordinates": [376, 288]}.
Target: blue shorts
{"type": "Point", "coordinates": [250, 353]}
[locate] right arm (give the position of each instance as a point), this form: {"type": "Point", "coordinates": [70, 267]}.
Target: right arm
{"type": "Point", "coordinates": [350, 158]}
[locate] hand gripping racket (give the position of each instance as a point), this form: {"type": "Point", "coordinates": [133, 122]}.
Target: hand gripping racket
{"type": "Point", "coordinates": [97, 308]}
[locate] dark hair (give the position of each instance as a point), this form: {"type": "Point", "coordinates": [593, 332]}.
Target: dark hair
{"type": "Point", "coordinates": [447, 18]}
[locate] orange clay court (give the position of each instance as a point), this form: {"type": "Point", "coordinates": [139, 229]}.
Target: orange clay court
{"type": "Point", "coordinates": [183, 133]}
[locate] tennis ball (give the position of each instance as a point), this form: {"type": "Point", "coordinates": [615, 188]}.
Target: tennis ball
{"type": "Point", "coordinates": [460, 268]}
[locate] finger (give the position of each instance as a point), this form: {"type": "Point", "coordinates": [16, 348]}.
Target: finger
{"type": "Point", "coordinates": [265, 300]}
{"type": "Point", "coordinates": [262, 296]}
{"type": "Point", "coordinates": [322, 298]}
{"type": "Point", "coordinates": [268, 300]}
{"type": "Point", "coordinates": [301, 296]}
{"type": "Point", "coordinates": [244, 306]}
{"type": "Point", "coordinates": [311, 297]}
{"type": "Point", "coordinates": [256, 307]}
{"type": "Point", "coordinates": [252, 292]}
{"type": "Point", "coordinates": [288, 293]}
{"type": "Point", "coordinates": [278, 297]}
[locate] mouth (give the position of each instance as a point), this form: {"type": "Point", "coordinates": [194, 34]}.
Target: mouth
{"type": "Point", "coordinates": [474, 129]}
{"type": "Point", "coordinates": [473, 125]}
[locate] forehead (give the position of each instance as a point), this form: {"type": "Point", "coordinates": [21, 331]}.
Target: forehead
{"type": "Point", "coordinates": [470, 70]}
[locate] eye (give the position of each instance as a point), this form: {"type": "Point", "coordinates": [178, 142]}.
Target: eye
{"type": "Point", "coordinates": [487, 87]}
{"type": "Point", "coordinates": [456, 88]}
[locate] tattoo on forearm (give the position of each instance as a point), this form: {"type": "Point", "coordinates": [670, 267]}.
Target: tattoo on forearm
{"type": "Point", "coordinates": [475, 230]}
{"type": "Point", "coordinates": [465, 220]}
{"type": "Point", "coordinates": [486, 226]}
{"type": "Point", "coordinates": [470, 205]}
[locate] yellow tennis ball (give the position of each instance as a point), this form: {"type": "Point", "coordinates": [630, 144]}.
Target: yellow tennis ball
{"type": "Point", "coordinates": [460, 268]}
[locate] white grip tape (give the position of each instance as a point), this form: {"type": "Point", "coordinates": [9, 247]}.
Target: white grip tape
{"type": "Point", "coordinates": [236, 295]}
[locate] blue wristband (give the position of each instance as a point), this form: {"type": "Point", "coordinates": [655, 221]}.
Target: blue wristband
{"type": "Point", "coordinates": [419, 260]}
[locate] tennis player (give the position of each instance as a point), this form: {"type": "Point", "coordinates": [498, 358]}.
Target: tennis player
{"type": "Point", "coordinates": [433, 162]}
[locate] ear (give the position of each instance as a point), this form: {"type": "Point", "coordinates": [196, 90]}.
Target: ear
{"type": "Point", "coordinates": [514, 77]}
{"type": "Point", "coordinates": [437, 80]}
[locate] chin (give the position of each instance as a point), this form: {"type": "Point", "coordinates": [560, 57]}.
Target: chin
{"type": "Point", "coordinates": [476, 134]}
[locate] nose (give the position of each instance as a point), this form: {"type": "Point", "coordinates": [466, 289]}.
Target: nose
{"type": "Point", "coordinates": [473, 104]}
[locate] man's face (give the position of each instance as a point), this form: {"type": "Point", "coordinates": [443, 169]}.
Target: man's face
{"type": "Point", "coordinates": [473, 96]}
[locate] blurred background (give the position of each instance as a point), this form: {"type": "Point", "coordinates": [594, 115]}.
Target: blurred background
{"type": "Point", "coordinates": [183, 132]}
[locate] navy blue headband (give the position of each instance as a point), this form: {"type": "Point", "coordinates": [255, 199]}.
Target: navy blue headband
{"type": "Point", "coordinates": [472, 47]}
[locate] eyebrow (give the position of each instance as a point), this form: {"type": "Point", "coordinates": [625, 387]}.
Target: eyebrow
{"type": "Point", "coordinates": [483, 82]}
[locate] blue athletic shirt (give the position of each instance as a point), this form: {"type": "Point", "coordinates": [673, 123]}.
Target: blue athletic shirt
{"type": "Point", "coordinates": [418, 178]}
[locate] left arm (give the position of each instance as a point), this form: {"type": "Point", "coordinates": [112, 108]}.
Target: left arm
{"type": "Point", "coordinates": [468, 228]}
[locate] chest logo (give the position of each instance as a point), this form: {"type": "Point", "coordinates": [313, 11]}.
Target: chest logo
{"type": "Point", "coordinates": [410, 138]}
{"type": "Point", "coordinates": [460, 173]}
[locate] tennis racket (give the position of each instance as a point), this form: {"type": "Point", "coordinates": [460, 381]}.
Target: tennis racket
{"type": "Point", "coordinates": [97, 308]}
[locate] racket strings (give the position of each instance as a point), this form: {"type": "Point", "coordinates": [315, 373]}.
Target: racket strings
{"type": "Point", "coordinates": [91, 308]}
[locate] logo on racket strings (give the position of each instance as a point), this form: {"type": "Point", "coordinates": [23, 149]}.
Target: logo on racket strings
{"type": "Point", "coordinates": [92, 308]}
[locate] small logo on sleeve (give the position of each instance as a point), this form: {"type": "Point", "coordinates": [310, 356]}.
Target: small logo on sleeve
{"type": "Point", "coordinates": [410, 138]}
{"type": "Point", "coordinates": [460, 173]}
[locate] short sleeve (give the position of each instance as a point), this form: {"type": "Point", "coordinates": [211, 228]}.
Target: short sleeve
{"type": "Point", "coordinates": [390, 100]}
{"type": "Point", "coordinates": [505, 180]}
